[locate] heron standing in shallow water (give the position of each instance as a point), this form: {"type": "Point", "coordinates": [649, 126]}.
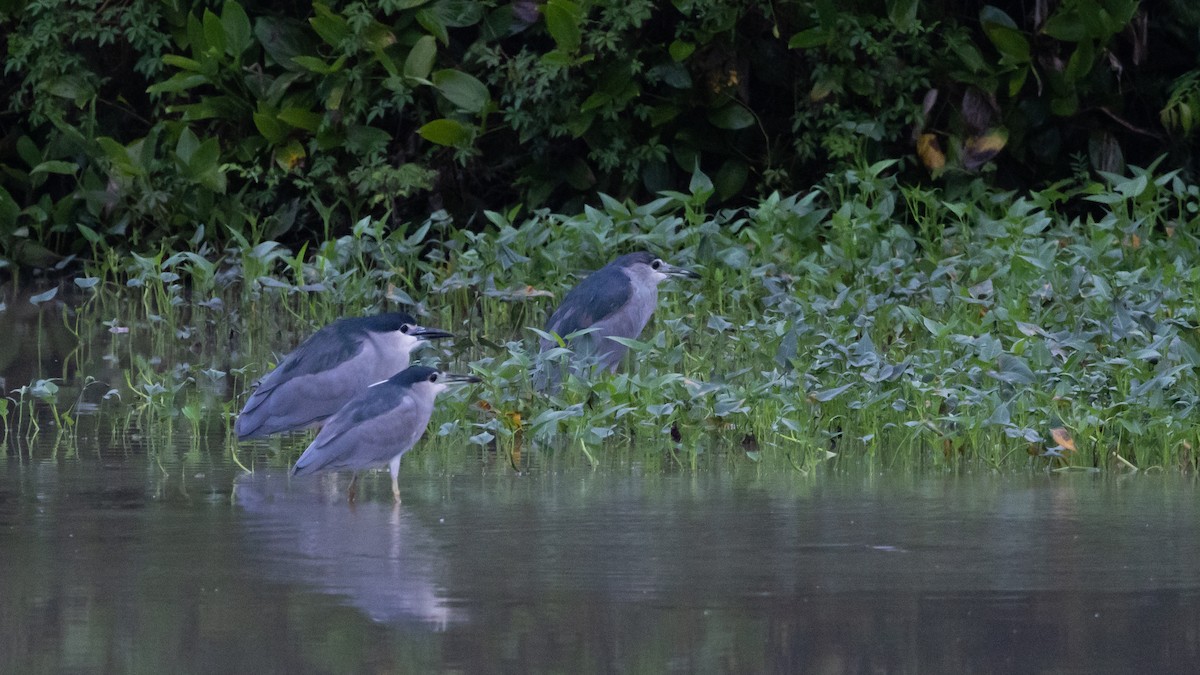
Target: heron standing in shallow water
{"type": "Point", "coordinates": [617, 300]}
{"type": "Point", "coordinates": [378, 425]}
{"type": "Point", "coordinates": [330, 368]}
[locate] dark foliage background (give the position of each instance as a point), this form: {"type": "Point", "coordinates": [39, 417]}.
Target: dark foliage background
{"type": "Point", "coordinates": [129, 122]}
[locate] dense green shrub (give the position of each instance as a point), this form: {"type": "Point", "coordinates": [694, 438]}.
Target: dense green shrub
{"type": "Point", "coordinates": [153, 117]}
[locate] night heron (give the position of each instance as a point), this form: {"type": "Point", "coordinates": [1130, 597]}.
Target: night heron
{"type": "Point", "coordinates": [329, 369]}
{"type": "Point", "coordinates": [617, 300]}
{"type": "Point", "coordinates": [378, 425]}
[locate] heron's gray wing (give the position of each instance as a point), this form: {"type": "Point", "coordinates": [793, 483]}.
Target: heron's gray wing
{"type": "Point", "coordinates": [371, 429]}
{"type": "Point", "coordinates": [596, 297]}
{"type": "Point", "coordinates": [325, 350]}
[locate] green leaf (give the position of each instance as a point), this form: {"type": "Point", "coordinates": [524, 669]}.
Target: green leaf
{"type": "Point", "coordinates": [236, 26]}
{"type": "Point", "coordinates": [1003, 32]}
{"type": "Point", "coordinates": [1081, 61]}
{"type": "Point", "coordinates": [731, 116]}
{"type": "Point", "coordinates": [363, 140]}
{"type": "Point", "coordinates": [807, 39]}
{"type": "Point", "coordinates": [446, 132]}
{"type": "Point", "coordinates": [186, 146]}
{"type": "Point", "coordinates": [680, 50]}
{"type": "Point", "coordinates": [562, 21]}
{"type": "Point", "coordinates": [332, 28]}
{"type": "Point", "coordinates": [88, 233]}
{"type": "Point", "coordinates": [902, 12]}
{"type": "Point", "coordinates": [461, 89]}
{"type": "Point", "coordinates": [301, 119]}
{"type": "Point", "coordinates": [268, 125]}
{"type": "Point", "coordinates": [318, 65]}
{"type": "Point", "coordinates": [56, 166]}
{"type": "Point", "coordinates": [178, 82]}
{"type": "Point", "coordinates": [28, 151]}
{"type": "Point", "coordinates": [214, 32]}
{"type": "Point", "coordinates": [431, 22]}
{"type": "Point", "coordinates": [827, 395]}
{"type": "Point", "coordinates": [205, 158]}
{"type": "Point", "coordinates": [182, 62]}
{"type": "Point", "coordinates": [419, 62]}
{"type": "Point", "coordinates": [731, 178]}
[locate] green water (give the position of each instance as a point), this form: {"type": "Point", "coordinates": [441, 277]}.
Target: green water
{"type": "Point", "coordinates": [116, 559]}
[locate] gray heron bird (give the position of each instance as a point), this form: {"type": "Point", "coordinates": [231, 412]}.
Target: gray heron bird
{"type": "Point", "coordinates": [617, 301]}
{"type": "Point", "coordinates": [378, 425]}
{"type": "Point", "coordinates": [330, 368]}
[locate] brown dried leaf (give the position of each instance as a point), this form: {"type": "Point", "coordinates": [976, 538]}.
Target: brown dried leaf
{"type": "Point", "coordinates": [1063, 438]}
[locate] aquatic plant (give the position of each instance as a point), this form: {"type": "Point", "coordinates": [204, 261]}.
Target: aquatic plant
{"type": "Point", "coordinates": [861, 321]}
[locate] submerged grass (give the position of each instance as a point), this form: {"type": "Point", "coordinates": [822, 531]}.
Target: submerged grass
{"type": "Point", "coordinates": [864, 322]}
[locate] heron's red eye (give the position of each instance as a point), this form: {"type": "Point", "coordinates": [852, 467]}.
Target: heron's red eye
{"type": "Point", "coordinates": [404, 328]}
{"type": "Point", "coordinates": [433, 377]}
{"type": "Point", "coordinates": [656, 264]}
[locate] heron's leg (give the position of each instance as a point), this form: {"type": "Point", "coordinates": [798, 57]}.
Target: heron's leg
{"type": "Point", "coordinates": [353, 488]}
{"type": "Point", "coordinates": [395, 469]}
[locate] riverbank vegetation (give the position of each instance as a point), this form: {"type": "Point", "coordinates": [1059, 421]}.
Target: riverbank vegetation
{"type": "Point", "coordinates": [862, 321]}
{"type": "Point", "coordinates": [927, 238]}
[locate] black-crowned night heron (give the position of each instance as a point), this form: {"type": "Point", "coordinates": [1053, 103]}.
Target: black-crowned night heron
{"type": "Point", "coordinates": [329, 369]}
{"type": "Point", "coordinates": [378, 425]}
{"type": "Point", "coordinates": [617, 300]}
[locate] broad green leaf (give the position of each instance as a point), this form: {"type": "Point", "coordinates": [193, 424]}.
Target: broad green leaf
{"type": "Point", "coordinates": [562, 22]}
{"type": "Point", "coordinates": [214, 32]}
{"type": "Point", "coordinates": [446, 132]}
{"type": "Point", "coordinates": [318, 65]}
{"type": "Point", "coordinates": [363, 140]}
{"type": "Point", "coordinates": [731, 116]}
{"type": "Point", "coordinates": [301, 119]}
{"type": "Point", "coordinates": [88, 233]}
{"type": "Point", "coordinates": [205, 158]}
{"type": "Point", "coordinates": [28, 151]}
{"type": "Point", "coordinates": [181, 62]}
{"type": "Point", "coordinates": [461, 89]}
{"type": "Point", "coordinates": [902, 12]}
{"type": "Point", "coordinates": [270, 127]}
{"type": "Point", "coordinates": [419, 62]}
{"type": "Point", "coordinates": [178, 82]}
{"type": "Point", "coordinates": [1081, 61]}
{"type": "Point", "coordinates": [236, 26]}
{"type": "Point", "coordinates": [680, 50]}
{"type": "Point", "coordinates": [807, 39]}
{"type": "Point", "coordinates": [186, 146]}
{"type": "Point", "coordinates": [431, 22]}
{"type": "Point", "coordinates": [731, 178]}
{"type": "Point", "coordinates": [827, 395]}
{"type": "Point", "coordinates": [1003, 32]}
{"type": "Point", "coordinates": [290, 156]}
{"type": "Point", "coordinates": [56, 166]}
{"type": "Point", "coordinates": [86, 282]}
{"type": "Point", "coordinates": [332, 28]}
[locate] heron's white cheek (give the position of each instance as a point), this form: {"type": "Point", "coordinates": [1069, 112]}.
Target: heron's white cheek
{"type": "Point", "coordinates": [403, 343]}
{"type": "Point", "coordinates": [659, 277]}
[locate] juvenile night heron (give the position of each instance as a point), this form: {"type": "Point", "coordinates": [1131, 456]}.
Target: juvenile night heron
{"type": "Point", "coordinates": [330, 368]}
{"type": "Point", "coordinates": [617, 300]}
{"type": "Point", "coordinates": [378, 425]}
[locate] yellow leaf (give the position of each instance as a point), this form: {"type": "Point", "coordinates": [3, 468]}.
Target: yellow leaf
{"type": "Point", "coordinates": [1063, 438]}
{"type": "Point", "coordinates": [979, 149]}
{"type": "Point", "coordinates": [930, 153]}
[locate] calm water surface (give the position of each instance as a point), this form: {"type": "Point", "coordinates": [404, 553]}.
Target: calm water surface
{"type": "Point", "coordinates": [126, 561]}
